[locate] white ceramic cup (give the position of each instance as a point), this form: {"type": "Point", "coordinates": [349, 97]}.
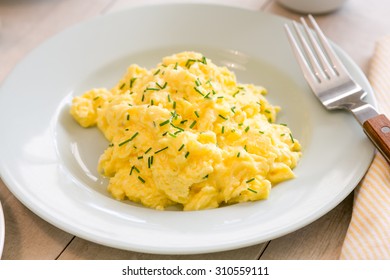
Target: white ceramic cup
{"type": "Point", "coordinates": [312, 6]}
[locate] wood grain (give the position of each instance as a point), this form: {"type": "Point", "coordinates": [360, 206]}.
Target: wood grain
{"type": "Point", "coordinates": [84, 250]}
{"type": "Point", "coordinates": [321, 240]}
{"type": "Point", "coordinates": [378, 130]}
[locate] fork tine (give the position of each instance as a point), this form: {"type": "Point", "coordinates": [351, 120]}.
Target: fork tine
{"type": "Point", "coordinates": [299, 56]}
{"type": "Point", "coordinates": [326, 66]}
{"type": "Point", "coordinates": [337, 66]}
{"type": "Point", "coordinates": [320, 74]}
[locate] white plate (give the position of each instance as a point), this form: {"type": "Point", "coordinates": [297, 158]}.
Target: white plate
{"type": "Point", "coordinates": [49, 162]}
{"type": "Point", "coordinates": [2, 230]}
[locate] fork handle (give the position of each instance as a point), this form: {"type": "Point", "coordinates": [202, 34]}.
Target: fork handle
{"type": "Point", "coordinates": [378, 130]}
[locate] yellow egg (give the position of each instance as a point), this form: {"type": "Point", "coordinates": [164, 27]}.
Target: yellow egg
{"type": "Point", "coordinates": [186, 133]}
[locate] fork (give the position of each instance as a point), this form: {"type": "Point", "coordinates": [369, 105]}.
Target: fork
{"type": "Point", "coordinates": [333, 85]}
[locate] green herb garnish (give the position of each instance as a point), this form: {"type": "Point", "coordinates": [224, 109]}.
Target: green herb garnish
{"type": "Point", "coordinates": [250, 180]}
{"type": "Point", "coordinates": [249, 189]}
{"type": "Point", "coordinates": [164, 123]}
{"type": "Point", "coordinates": [163, 149]}
{"type": "Point", "coordinates": [128, 140]}
{"type": "Point", "coordinates": [193, 124]}
{"type": "Point", "coordinates": [141, 179]}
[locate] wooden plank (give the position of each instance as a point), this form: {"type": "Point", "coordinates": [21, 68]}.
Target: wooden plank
{"type": "Point", "coordinates": [24, 25]}
{"type": "Point", "coordinates": [26, 235]}
{"type": "Point", "coordinates": [321, 240]}
{"type": "Point", "coordinates": [81, 249]}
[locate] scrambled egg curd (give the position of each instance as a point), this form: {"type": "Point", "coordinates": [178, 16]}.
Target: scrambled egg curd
{"type": "Point", "coordinates": [186, 133]}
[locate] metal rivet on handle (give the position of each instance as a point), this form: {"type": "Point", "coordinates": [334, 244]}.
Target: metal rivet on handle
{"type": "Point", "coordinates": [385, 129]}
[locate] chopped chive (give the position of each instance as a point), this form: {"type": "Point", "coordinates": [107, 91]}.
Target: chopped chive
{"type": "Point", "coordinates": [174, 105]}
{"type": "Point", "coordinates": [238, 154]}
{"type": "Point", "coordinates": [152, 89]}
{"type": "Point", "coordinates": [128, 140]}
{"type": "Point", "coordinates": [198, 91]}
{"type": "Point", "coordinates": [164, 123]}
{"type": "Point", "coordinates": [179, 128]}
{"type": "Point", "coordinates": [176, 64]}
{"type": "Point", "coordinates": [247, 129]}
{"type": "Point", "coordinates": [237, 92]}
{"type": "Point", "coordinates": [132, 81]}
{"type": "Point", "coordinates": [181, 147]}
{"type": "Point", "coordinates": [183, 121]}
{"type": "Point", "coordinates": [122, 86]}
{"type": "Point", "coordinates": [190, 62]}
{"type": "Point", "coordinates": [148, 162]}
{"type": "Point", "coordinates": [161, 150]}
{"type": "Point", "coordinates": [208, 82]}
{"type": "Point", "coordinates": [197, 83]}
{"type": "Point", "coordinates": [169, 98]}
{"type": "Point", "coordinates": [220, 97]}
{"type": "Point", "coordinates": [204, 61]}
{"type": "Point", "coordinates": [232, 109]}
{"type": "Point", "coordinates": [282, 134]}
{"type": "Point", "coordinates": [249, 189]}
{"type": "Point", "coordinates": [154, 123]}
{"type": "Point", "coordinates": [96, 98]}
{"type": "Point", "coordinates": [292, 139]}
{"type": "Point", "coordinates": [152, 102]}
{"type": "Point", "coordinates": [245, 148]}
{"type": "Point", "coordinates": [143, 97]}
{"type": "Point", "coordinates": [261, 132]}
{"type": "Point", "coordinates": [174, 115]}
{"type": "Point", "coordinates": [196, 114]}
{"type": "Point", "coordinates": [158, 71]}
{"type": "Point", "coordinates": [133, 168]}
{"type": "Point", "coordinates": [162, 86]}
{"type": "Point", "coordinates": [148, 150]}
{"type": "Point", "coordinates": [111, 145]}
{"type": "Point", "coordinates": [205, 177]}
{"type": "Point", "coordinates": [172, 135]}
{"type": "Point", "coordinates": [283, 124]}
{"type": "Point", "coordinates": [151, 160]}
{"type": "Point", "coordinates": [214, 93]}
{"type": "Point", "coordinates": [165, 133]}
{"type": "Point", "coordinates": [193, 124]}
{"type": "Point", "coordinates": [141, 179]}
{"type": "Point", "coordinates": [128, 117]}
{"type": "Point", "coordinates": [222, 117]}
{"type": "Point", "coordinates": [267, 111]}
{"type": "Point", "coordinates": [207, 95]}
{"type": "Point", "coordinates": [187, 154]}
{"type": "Point", "coordinates": [140, 157]}
{"type": "Point", "coordinates": [250, 180]}
{"type": "Point", "coordinates": [223, 130]}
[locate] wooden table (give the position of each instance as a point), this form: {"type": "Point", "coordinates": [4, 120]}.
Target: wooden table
{"type": "Point", "coordinates": [24, 24]}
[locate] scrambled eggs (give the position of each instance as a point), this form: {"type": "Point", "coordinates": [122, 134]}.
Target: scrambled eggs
{"type": "Point", "coordinates": [186, 133]}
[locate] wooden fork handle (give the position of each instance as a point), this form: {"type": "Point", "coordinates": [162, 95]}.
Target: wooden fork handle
{"type": "Point", "coordinates": [378, 130]}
